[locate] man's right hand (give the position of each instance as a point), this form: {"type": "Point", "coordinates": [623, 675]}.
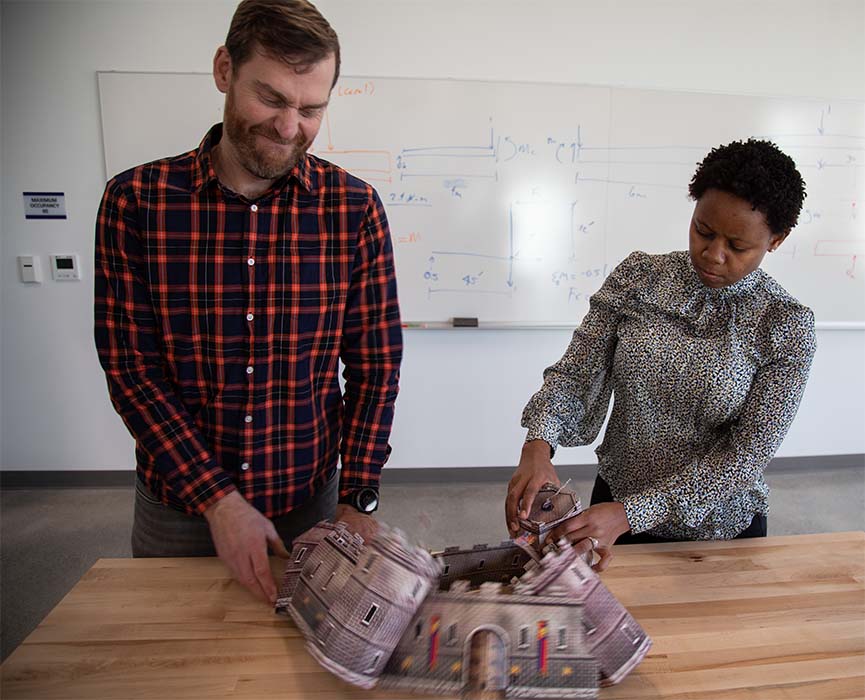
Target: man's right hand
{"type": "Point", "coordinates": [535, 470]}
{"type": "Point", "coordinates": [241, 535]}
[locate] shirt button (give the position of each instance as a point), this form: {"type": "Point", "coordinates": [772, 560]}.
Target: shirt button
{"type": "Point", "coordinates": [249, 370]}
{"type": "Point", "coordinates": [248, 419]}
{"type": "Point", "coordinates": [244, 466]}
{"type": "Point", "coordinates": [250, 262]}
{"type": "Point", "coordinates": [254, 207]}
{"type": "Point", "coordinates": [249, 317]}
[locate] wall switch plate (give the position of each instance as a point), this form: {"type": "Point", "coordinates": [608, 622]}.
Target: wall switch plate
{"type": "Point", "coordinates": [65, 268]}
{"type": "Point", "coordinates": [29, 269]}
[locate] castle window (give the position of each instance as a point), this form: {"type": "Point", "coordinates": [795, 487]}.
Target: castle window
{"type": "Point", "coordinates": [588, 626]}
{"type": "Point", "coordinates": [447, 569]}
{"type": "Point", "coordinates": [417, 585]}
{"type": "Point", "coordinates": [452, 634]}
{"type": "Point", "coordinates": [329, 579]}
{"type": "Point", "coordinates": [524, 637]}
{"type": "Point", "coordinates": [300, 554]}
{"type": "Point", "coordinates": [515, 560]}
{"type": "Point", "coordinates": [563, 638]}
{"type": "Point", "coordinates": [315, 570]}
{"type": "Point", "coordinates": [579, 574]}
{"type": "Point", "coordinates": [481, 564]}
{"type": "Point", "coordinates": [418, 629]}
{"type": "Point", "coordinates": [373, 609]}
{"type": "Point", "coordinates": [630, 633]}
{"type": "Point", "coordinates": [369, 562]}
{"type": "Point", "coordinates": [375, 660]}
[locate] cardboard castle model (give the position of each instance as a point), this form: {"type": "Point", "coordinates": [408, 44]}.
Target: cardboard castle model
{"type": "Point", "coordinates": [520, 618]}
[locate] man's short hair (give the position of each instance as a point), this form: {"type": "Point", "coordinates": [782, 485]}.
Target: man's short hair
{"type": "Point", "coordinates": [292, 31]}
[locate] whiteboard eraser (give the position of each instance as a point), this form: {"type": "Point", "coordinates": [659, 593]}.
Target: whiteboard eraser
{"type": "Point", "coordinates": [464, 322]}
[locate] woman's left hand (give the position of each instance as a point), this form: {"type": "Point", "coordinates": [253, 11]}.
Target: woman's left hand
{"type": "Point", "coordinates": [604, 522]}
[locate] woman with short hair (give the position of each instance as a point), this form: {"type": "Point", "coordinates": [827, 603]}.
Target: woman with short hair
{"type": "Point", "coordinates": [707, 357]}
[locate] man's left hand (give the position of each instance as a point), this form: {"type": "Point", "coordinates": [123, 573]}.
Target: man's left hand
{"type": "Point", "coordinates": [365, 525]}
{"type": "Point", "coordinates": [604, 522]}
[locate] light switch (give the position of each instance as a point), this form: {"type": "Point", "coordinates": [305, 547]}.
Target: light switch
{"type": "Point", "coordinates": [65, 268]}
{"type": "Point", "coordinates": [29, 269]}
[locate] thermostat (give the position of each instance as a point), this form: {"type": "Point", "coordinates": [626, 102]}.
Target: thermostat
{"type": "Point", "coordinates": [65, 268]}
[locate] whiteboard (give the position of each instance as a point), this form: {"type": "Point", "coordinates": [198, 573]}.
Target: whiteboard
{"type": "Point", "coordinates": [511, 202]}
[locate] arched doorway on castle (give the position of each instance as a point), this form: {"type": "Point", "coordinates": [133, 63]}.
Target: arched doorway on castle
{"type": "Point", "coordinates": [487, 665]}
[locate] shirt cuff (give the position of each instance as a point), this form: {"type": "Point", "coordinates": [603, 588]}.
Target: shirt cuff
{"type": "Point", "coordinates": [346, 486]}
{"type": "Point", "coordinates": [646, 510]}
{"type": "Point", "coordinates": [217, 486]}
{"type": "Point", "coordinates": [548, 431]}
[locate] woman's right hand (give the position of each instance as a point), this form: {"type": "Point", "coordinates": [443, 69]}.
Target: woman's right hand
{"type": "Point", "coordinates": [535, 469]}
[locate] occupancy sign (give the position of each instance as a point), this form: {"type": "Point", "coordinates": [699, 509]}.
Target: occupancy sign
{"type": "Point", "coordinates": [44, 205]}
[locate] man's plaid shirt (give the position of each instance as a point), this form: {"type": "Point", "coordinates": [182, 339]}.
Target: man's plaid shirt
{"type": "Point", "coordinates": [220, 323]}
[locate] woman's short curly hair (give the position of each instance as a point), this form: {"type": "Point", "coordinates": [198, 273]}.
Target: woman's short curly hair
{"type": "Point", "coordinates": [758, 172]}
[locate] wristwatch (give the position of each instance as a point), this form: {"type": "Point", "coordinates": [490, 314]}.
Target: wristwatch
{"type": "Point", "coordinates": [363, 500]}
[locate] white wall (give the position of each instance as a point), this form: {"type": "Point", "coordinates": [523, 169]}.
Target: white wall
{"type": "Point", "coordinates": [462, 391]}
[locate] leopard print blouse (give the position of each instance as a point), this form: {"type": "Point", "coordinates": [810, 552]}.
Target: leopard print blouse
{"type": "Point", "coordinates": [706, 384]}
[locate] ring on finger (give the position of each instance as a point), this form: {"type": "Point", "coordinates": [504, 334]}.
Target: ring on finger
{"type": "Point", "coordinates": [594, 541]}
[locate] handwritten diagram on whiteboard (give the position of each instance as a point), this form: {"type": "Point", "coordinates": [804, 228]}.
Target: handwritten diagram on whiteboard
{"type": "Point", "coordinates": [511, 202]}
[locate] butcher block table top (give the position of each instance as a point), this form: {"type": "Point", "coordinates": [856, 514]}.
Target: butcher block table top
{"type": "Point", "coordinates": [779, 617]}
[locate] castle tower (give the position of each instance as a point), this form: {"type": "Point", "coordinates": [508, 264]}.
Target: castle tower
{"type": "Point", "coordinates": [353, 601]}
{"type": "Point", "coordinates": [614, 637]}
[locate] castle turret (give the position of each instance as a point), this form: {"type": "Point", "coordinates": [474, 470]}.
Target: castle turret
{"type": "Point", "coordinates": [353, 601]}
{"type": "Point", "coordinates": [613, 635]}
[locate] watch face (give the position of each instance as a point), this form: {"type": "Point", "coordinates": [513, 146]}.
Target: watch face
{"type": "Point", "coordinates": [367, 500]}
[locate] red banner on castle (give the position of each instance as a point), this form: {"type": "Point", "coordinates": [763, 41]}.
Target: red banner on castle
{"type": "Point", "coordinates": [542, 646]}
{"type": "Point", "coordinates": [433, 641]}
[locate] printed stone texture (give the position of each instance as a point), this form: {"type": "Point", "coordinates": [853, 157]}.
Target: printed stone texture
{"type": "Point", "coordinates": [481, 563]}
{"type": "Point", "coordinates": [523, 645]}
{"type": "Point", "coordinates": [353, 602]}
{"type": "Point", "coordinates": [301, 550]}
{"type": "Point", "coordinates": [614, 637]}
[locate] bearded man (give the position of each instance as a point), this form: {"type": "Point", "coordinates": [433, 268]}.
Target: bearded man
{"type": "Point", "coordinates": [230, 281]}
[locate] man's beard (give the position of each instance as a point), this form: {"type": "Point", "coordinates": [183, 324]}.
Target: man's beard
{"type": "Point", "coordinates": [264, 164]}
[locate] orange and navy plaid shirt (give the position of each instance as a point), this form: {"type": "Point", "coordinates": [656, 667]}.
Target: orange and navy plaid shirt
{"type": "Point", "coordinates": [221, 322]}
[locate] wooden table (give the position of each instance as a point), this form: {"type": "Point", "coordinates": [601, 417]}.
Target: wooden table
{"type": "Point", "coordinates": [781, 617]}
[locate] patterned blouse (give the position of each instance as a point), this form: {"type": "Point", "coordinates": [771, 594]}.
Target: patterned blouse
{"type": "Point", "coordinates": [706, 383]}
